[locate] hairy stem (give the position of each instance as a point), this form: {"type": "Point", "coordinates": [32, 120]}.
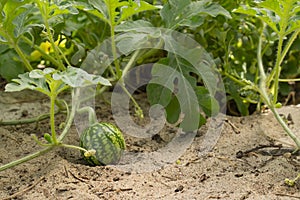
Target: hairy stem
{"type": "Point", "coordinates": [277, 69]}
{"type": "Point", "coordinates": [73, 147]}
{"type": "Point", "coordinates": [52, 118]}
{"type": "Point", "coordinates": [130, 63]}
{"type": "Point", "coordinates": [27, 121]}
{"type": "Point", "coordinates": [266, 99]}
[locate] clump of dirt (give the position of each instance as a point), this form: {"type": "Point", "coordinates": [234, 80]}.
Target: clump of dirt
{"type": "Point", "coordinates": [251, 160]}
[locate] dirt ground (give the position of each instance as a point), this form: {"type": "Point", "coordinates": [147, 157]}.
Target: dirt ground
{"type": "Point", "coordinates": [251, 160]}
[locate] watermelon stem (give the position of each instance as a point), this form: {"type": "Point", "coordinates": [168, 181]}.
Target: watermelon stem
{"type": "Point", "coordinates": [73, 147]}
{"type": "Point", "coordinates": [26, 158]}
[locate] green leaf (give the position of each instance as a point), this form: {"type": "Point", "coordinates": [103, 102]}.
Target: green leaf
{"type": "Point", "coordinates": [76, 77]}
{"type": "Point", "coordinates": [108, 9]}
{"type": "Point", "coordinates": [208, 103]}
{"type": "Point", "coordinates": [62, 8]}
{"type": "Point", "coordinates": [10, 67]}
{"type": "Point", "coordinates": [48, 138]}
{"type": "Point", "coordinates": [132, 25]}
{"type": "Point", "coordinates": [38, 73]}
{"type": "Point", "coordinates": [272, 5]}
{"type": "Point", "coordinates": [262, 14]}
{"type": "Point", "coordinates": [174, 81]}
{"type": "Point", "coordinates": [173, 111]}
{"type": "Point", "coordinates": [26, 82]}
{"type": "Point", "coordinates": [191, 65]}
{"type": "Point", "coordinates": [12, 10]}
{"type": "Point", "coordinates": [79, 54]}
{"type": "Point", "coordinates": [158, 94]}
{"type": "Point", "coordinates": [234, 93]}
{"type": "Point", "coordinates": [184, 49]}
{"type": "Point", "coordinates": [138, 38]}
{"type": "Point", "coordinates": [172, 11]}
{"type": "Point", "coordinates": [115, 12]}
{"type": "Point", "coordinates": [40, 80]}
{"type": "Point", "coordinates": [21, 20]}
{"type": "Point", "coordinates": [129, 41]}
{"type": "Point", "coordinates": [98, 12]}
{"type": "Point", "coordinates": [186, 13]}
{"type": "Point", "coordinates": [134, 8]}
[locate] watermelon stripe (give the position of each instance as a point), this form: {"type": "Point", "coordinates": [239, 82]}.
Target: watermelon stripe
{"type": "Point", "coordinates": [118, 135]}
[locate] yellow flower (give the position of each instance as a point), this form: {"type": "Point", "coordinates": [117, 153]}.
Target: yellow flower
{"type": "Point", "coordinates": [47, 48]}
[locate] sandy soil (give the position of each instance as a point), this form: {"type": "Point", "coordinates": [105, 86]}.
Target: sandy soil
{"type": "Point", "coordinates": [250, 161]}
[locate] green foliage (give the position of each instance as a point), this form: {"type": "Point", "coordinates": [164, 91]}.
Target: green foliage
{"type": "Point", "coordinates": [280, 15]}
{"type": "Point", "coordinates": [178, 13]}
{"type": "Point", "coordinates": [8, 62]}
{"type": "Point", "coordinates": [113, 12]}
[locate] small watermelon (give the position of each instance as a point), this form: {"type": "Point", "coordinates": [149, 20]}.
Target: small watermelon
{"type": "Point", "coordinates": [107, 140]}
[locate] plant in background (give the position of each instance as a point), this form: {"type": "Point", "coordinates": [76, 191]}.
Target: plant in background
{"type": "Point", "coordinates": [138, 34]}
{"type": "Point", "coordinates": [281, 16]}
{"type": "Point", "coordinates": [187, 16]}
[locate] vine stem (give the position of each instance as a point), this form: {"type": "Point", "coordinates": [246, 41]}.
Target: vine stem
{"type": "Point", "coordinates": [285, 127]}
{"type": "Point", "coordinates": [290, 80]}
{"type": "Point", "coordinates": [27, 121]}
{"type": "Point", "coordinates": [26, 158]}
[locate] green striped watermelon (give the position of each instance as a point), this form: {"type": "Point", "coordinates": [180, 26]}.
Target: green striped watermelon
{"type": "Point", "coordinates": [107, 140]}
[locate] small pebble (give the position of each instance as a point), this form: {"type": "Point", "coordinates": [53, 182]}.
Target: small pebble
{"type": "Point", "coordinates": [238, 175]}
{"type": "Point", "coordinates": [179, 189]}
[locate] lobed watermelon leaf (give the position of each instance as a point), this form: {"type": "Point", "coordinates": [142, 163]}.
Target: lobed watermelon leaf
{"type": "Point", "coordinates": [40, 80]}
{"type": "Point", "coordinates": [189, 13]}
{"type": "Point", "coordinates": [114, 12]}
